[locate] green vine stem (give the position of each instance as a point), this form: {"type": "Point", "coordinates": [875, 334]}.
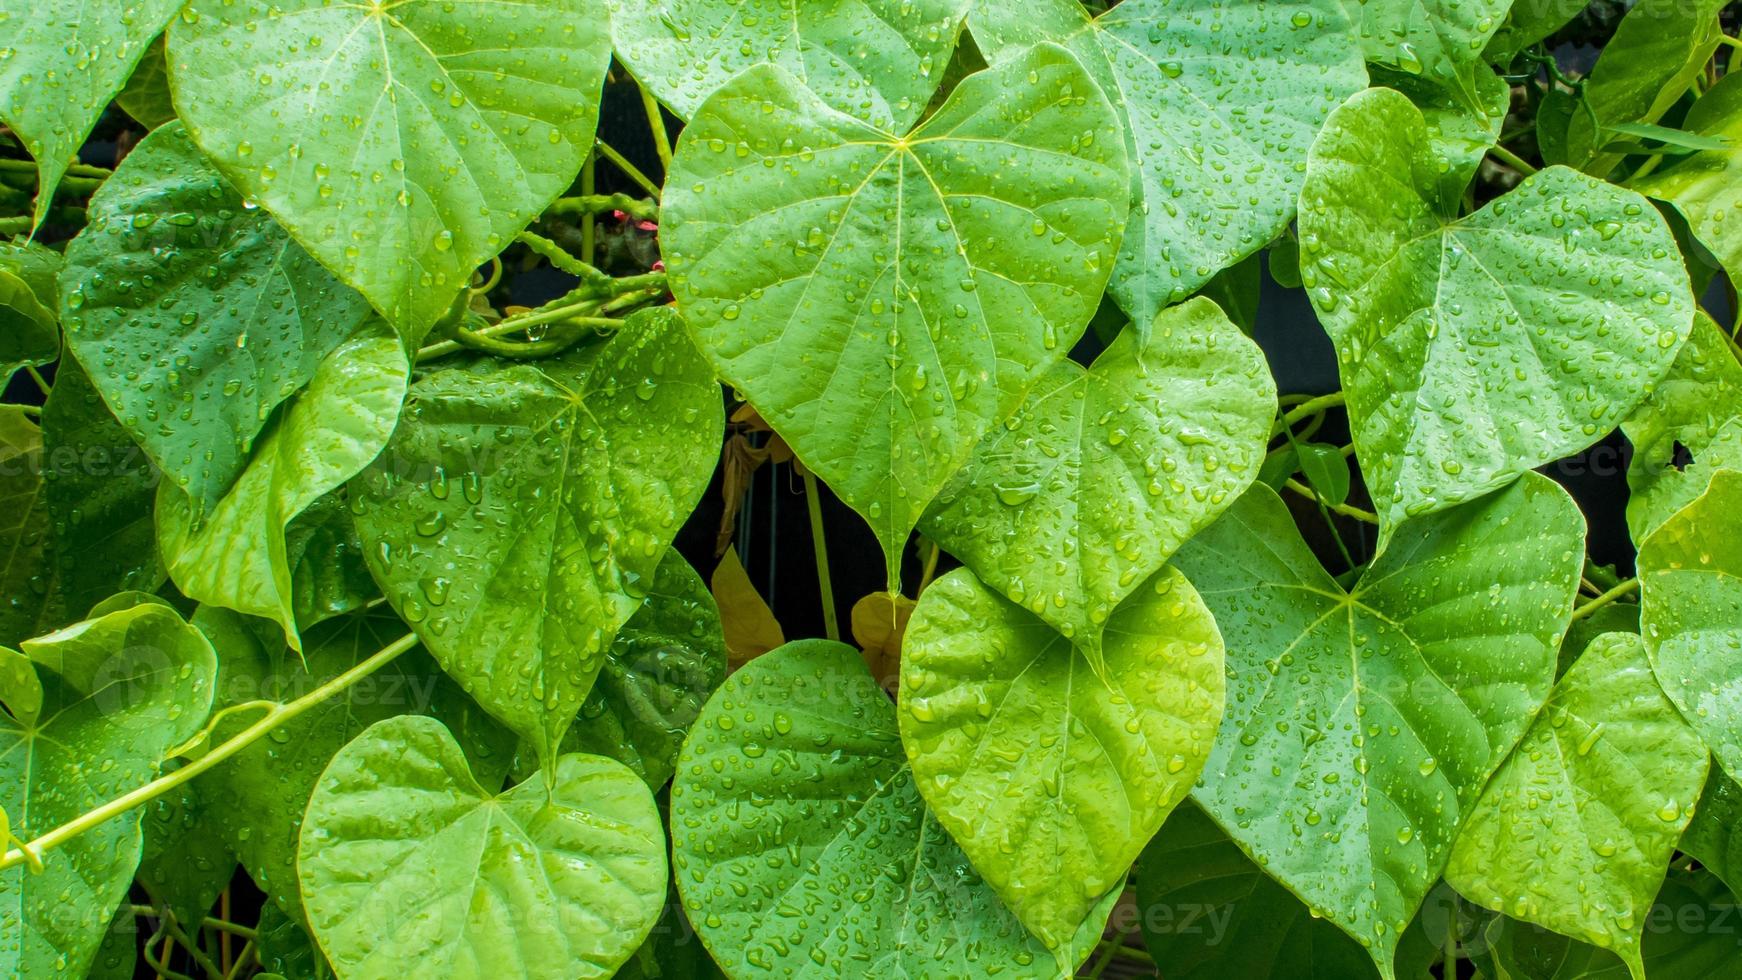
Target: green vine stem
{"type": "Point", "coordinates": [656, 125]}
{"type": "Point", "coordinates": [1347, 510]}
{"type": "Point", "coordinates": [1603, 600]}
{"type": "Point", "coordinates": [248, 736]}
{"type": "Point", "coordinates": [831, 625]}
{"type": "Point", "coordinates": [1511, 159]}
{"type": "Point", "coordinates": [1311, 406]}
{"type": "Point", "coordinates": [639, 208]}
{"type": "Point", "coordinates": [629, 169]}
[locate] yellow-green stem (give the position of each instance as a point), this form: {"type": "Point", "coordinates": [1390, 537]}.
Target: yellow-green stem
{"type": "Point", "coordinates": [629, 169]}
{"type": "Point", "coordinates": [1511, 159]}
{"type": "Point", "coordinates": [1364, 516]}
{"type": "Point", "coordinates": [656, 125]}
{"type": "Point", "coordinates": [285, 712]}
{"type": "Point", "coordinates": [831, 626]}
{"type": "Point", "coordinates": [1603, 600]}
{"type": "Point", "coordinates": [1311, 406]}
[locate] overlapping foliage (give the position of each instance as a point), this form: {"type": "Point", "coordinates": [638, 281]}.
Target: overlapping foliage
{"type": "Point", "coordinates": [337, 572]}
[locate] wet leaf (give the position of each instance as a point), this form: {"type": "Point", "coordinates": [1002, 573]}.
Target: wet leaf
{"type": "Point", "coordinates": [237, 557]}
{"type": "Point", "coordinates": [1656, 52]}
{"type": "Point", "coordinates": [801, 845]}
{"type": "Point", "coordinates": [1575, 829]}
{"type": "Point", "coordinates": [1440, 40]}
{"type": "Point", "coordinates": [659, 671]}
{"type": "Point", "coordinates": [906, 290]}
{"type": "Point", "coordinates": [118, 692]}
{"type": "Point", "coordinates": [1473, 349]}
{"type": "Point", "coordinates": [1363, 724]}
{"type": "Point", "coordinates": [1050, 778]}
{"type": "Point", "coordinates": [1714, 836]}
{"type": "Point", "coordinates": [1701, 186]}
{"type": "Point", "coordinates": [406, 146]}
{"type": "Point", "coordinates": [98, 487]}
{"type": "Point", "coordinates": [29, 328]}
{"type": "Point", "coordinates": [254, 802]}
{"type": "Point", "coordinates": [63, 64]}
{"type": "Point", "coordinates": [1690, 577]}
{"type": "Point", "coordinates": [1686, 430]}
{"type": "Point", "coordinates": [1208, 911]}
{"type": "Point", "coordinates": [878, 60]}
{"type": "Point", "coordinates": [410, 867]}
{"type": "Point", "coordinates": [26, 556]}
{"type": "Point", "coordinates": [562, 482]}
{"type": "Point", "coordinates": [1072, 504]}
{"type": "Point", "coordinates": [193, 314]}
{"type": "Point", "coordinates": [1208, 89]}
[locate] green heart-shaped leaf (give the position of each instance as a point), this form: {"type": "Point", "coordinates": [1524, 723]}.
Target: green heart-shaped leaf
{"type": "Point", "coordinates": [1474, 349]}
{"type": "Point", "coordinates": [403, 144]}
{"type": "Point", "coordinates": [658, 673]}
{"type": "Point", "coordinates": [1209, 912]}
{"type": "Point", "coordinates": [410, 868]}
{"type": "Point", "coordinates": [194, 314]}
{"type": "Point", "coordinates": [1220, 100]}
{"type": "Point", "coordinates": [802, 848]}
{"type": "Point", "coordinates": [99, 488]}
{"type": "Point", "coordinates": [1696, 407]}
{"type": "Point", "coordinates": [254, 802]}
{"type": "Point", "coordinates": [1362, 724]}
{"type": "Point", "coordinates": [1575, 829]}
{"type": "Point", "coordinates": [562, 482]}
{"type": "Point", "coordinates": [1052, 779]}
{"type": "Point", "coordinates": [883, 300]}
{"type": "Point", "coordinates": [1690, 577]}
{"type": "Point", "coordinates": [63, 64]}
{"type": "Point", "coordinates": [237, 556]}
{"type": "Point", "coordinates": [122, 688]}
{"type": "Point", "coordinates": [878, 60]}
{"type": "Point", "coordinates": [1069, 506]}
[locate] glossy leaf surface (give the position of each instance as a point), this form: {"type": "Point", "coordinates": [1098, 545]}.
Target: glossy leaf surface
{"type": "Point", "coordinates": [193, 314]}
{"type": "Point", "coordinates": [408, 144]}
{"type": "Point", "coordinates": [883, 300]}
{"type": "Point", "coordinates": [64, 62]}
{"type": "Point", "coordinates": [410, 867]}
{"type": "Point", "coordinates": [878, 60]}
{"type": "Point", "coordinates": [1363, 724]}
{"type": "Point", "coordinates": [1220, 102]}
{"type": "Point", "coordinates": [1690, 576]}
{"type": "Point", "coordinates": [838, 867]}
{"type": "Point", "coordinates": [1474, 349]}
{"type": "Point", "coordinates": [1686, 430]}
{"type": "Point", "coordinates": [1071, 505]}
{"type": "Point", "coordinates": [238, 557]}
{"type": "Point", "coordinates": [124, 687]}
{"type": "Point", "coordinates": [658, 673]}
{"type": "Point", "coordinates": [1052, 778]}
{"type": "Point", "coordinates": [1575, 829]}
{"type": "Point", "coordinates": [561, 482]}
{"type": "Point", "coordinates": [255, 802]}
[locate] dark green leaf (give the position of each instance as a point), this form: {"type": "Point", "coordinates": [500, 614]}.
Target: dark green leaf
{"type": "Point", "coordinates": [562, 482]}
